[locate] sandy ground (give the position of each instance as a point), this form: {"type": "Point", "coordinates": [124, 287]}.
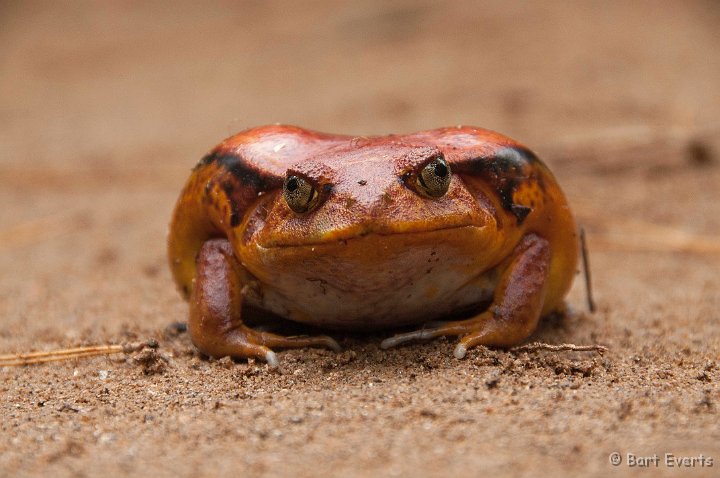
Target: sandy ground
{"type": "Point", "coordinates": [104, 109]}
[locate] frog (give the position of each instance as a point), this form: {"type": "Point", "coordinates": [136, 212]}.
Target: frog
{"type": "Point", "coordinates": [456, 231]}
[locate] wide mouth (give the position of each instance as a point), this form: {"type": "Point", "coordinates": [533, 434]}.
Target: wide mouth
{"type": "Point", "coordinates": [341, 238]}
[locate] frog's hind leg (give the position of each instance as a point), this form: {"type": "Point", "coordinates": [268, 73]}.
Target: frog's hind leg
{"type": "Point", "coordinates": [516, 307]}
{"type": "Point", "coordinates": [215, 324]}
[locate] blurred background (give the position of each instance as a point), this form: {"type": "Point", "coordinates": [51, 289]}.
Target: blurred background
{"type": "Point", "coordinates": [105, 107]}
{"type": "Point", "coordinates": [157, 84]}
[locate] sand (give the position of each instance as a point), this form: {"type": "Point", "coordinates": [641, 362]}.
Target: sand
{"type": "Point", "coordinates": [104, 110]}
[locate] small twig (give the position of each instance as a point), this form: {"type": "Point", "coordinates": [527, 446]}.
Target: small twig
{"type": "Point", "coordinates": [88, 349]}
{"type": "Point", "coordinates": [30, 358]}
{"type": "Point", "coordinates": [600, 349]}
{"type": "Point", "coordinates": [586, 269]}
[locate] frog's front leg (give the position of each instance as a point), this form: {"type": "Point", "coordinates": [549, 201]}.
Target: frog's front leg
{"type": "Point", "coordinates": [514, 312]}
{"type": "Point", "coordinates": [215, 322]}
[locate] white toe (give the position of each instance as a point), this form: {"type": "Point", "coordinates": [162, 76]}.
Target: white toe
{"type": "Point", "coordinates": [271, 359]}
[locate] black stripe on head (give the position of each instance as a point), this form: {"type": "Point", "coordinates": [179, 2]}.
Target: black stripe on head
{"type": "Point", "coordinates": [243, 182]}
{"type": "Point", "coordinates": [505, 170]}
{"type": "Point", "coordinates": [247, 174]}
{"type": "Point", "coordinates": [508, 161]}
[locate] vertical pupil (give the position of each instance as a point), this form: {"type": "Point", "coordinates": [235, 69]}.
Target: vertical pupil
{"type": "Point", "coordinates": [292, 184]}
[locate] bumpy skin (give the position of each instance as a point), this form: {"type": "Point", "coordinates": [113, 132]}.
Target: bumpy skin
{"type": "Point", "coordinates": [500, 245]}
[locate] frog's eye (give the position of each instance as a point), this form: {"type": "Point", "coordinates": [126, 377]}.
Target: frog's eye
{"type": "Point", "coordinates": [300, 195]}
{"type": "Point", "coordinates": [434, 178]}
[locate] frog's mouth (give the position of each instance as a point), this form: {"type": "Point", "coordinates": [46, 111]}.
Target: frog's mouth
{"type": "Point", "coordinates": [372, 249]}
{"type": "Point", "coordinates": [350, 238]}
{"type": "Point", "coordinates": [330, 229]}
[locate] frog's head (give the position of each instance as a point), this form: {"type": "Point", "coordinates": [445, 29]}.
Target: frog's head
{"type": "Point", "coordinates": [355, 187]}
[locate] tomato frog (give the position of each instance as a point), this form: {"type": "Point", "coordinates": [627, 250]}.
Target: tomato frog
{"type": "Point", "coordinates": [360, 233]}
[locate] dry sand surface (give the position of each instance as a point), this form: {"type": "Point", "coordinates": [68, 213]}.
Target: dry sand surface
{"type": "Point", "coordinates": [104, 109]}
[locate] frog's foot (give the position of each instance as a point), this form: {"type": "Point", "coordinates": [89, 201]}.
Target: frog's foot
{"type": "Point", "coordinates": [515, 310]}
{"type": "Point", "coordinates": [246, 342]}
{"type": "Point", "coordinates": [215, 324]}
{"type": "Point", "coordinates": [471, 330]}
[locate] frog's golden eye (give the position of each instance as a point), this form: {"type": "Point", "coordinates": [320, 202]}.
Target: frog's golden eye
{"type": "Point", "coordinates": [300, 195]}
{"type": "Point", "coordinates": [434, 178]}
